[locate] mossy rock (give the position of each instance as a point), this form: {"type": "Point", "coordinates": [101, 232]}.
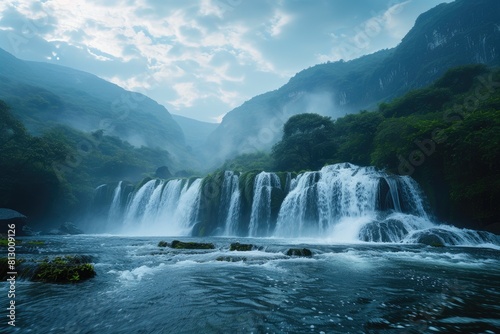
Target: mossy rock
{"type": "Point", "coordinates": [67, 269]}
{"type": "Point", "coordinates": [241, 247]}
{"type": "Point", "coordinates": [191, 245]}
{"type": "Point", "coordinates": [304, 252]}
{"type": "Point", "coordinates": [430, 239]}
{"type": "Point", "coordinates": [163, 244]}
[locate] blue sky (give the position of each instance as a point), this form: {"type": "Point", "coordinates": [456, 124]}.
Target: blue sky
{"type": "Point", "coordinates": [202, 58]}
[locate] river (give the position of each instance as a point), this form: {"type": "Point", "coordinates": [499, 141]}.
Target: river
{"type": "Point", "coordinates": [343, 288]}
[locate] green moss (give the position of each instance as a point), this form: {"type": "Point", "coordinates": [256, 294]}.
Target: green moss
{"type": "Point", "coordinates": [67, 269]}
{"type": "Point", "coordinates": [162, 244]}
{"type": "Point", "coordinates": [191, 245]}
{"type": "Point", "coordinates": [5, 242]}
{"type": "Point", "coordinates": [241, 247]}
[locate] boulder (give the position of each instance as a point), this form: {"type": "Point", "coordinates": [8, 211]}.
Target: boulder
{"type": "Point", "coordinates": [70, 228]}
{"type": "Point", "coordinates": [9, 216]}
{"type": "Point", "coordinates": [191, 245]}
{"type": "Point", "coordinates": [65, 229]}
{"type": "Point", "coordinates": [236, 246]}
{"type": "Point", "coordinates": [389, 230]}
{"type": "Point", "coordinates": [67, 269]}
{"type": "Point", "coordinates": [163, 244]}
{"type": "Point", "coordinates": [304, 252]}
{"type": "Point", "coordinates": [430, 239]}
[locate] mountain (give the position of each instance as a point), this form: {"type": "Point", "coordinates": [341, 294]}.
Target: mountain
{"type": "Point", "coordinates": [449, 35]}
{"type": "Point", "coordinates": [196, 132]}
{"type": "Point", "coordinates": [42, 95]}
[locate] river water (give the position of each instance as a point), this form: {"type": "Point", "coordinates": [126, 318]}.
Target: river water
{"type": "Point", "coordinates": [343, 288]}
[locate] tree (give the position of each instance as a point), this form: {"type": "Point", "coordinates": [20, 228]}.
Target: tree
{"type": "Point", "coordinates": [307, 143]}
{"type": "Point", "coordinates": [354, 135]}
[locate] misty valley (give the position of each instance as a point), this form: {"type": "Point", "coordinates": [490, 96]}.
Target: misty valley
{"type": "Point", "coordinates": [361, 196]}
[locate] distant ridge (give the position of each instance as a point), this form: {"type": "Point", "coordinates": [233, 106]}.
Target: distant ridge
{"type": "Point", "coordinates": [42, 95]}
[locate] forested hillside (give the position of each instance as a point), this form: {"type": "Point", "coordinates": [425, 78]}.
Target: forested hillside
{"type": "Point", "coordinates": [446, 136]}
{"type": "Point", "coordinates": [451, 34]}
{"type": "Point", "coordinates": [51, 177]}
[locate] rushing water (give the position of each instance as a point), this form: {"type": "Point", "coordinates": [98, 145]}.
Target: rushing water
{"type": "Point", "coordinates": [342, 202]}
{"type": "Point", "coordinates": [371, 271]}
{"type": "Point", "coordinates": [343, 288]}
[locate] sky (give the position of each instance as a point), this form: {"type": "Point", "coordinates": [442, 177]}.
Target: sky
{"type": "Point", "coordinates": [202, 58]}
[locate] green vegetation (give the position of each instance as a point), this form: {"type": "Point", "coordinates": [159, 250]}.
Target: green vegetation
{"type": "Point", "coordinates": [53, 176]}
{"type": "Point", "coordinates": [446, 136]}
{"type": "Point", "coordinates": [191, 245]}
{"type": "Point", "coordinates": [162, 244]}
{"type": "Point", "coordinates": [67, 269]}
{"type": "Point", "coordinates": [307, 143]}
{"type": "Point", "coordinates": [236, 246]}
{"type": "Point", "coordinates": [248, 162]}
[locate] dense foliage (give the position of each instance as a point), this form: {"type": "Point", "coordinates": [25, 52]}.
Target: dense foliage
{"type": "Point", "coordinates": [446, 136]}
{"type": "Point", "coordinates": [52, 177]}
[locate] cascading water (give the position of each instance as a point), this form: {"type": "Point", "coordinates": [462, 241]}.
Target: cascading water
{"type": "Point", "coordinates": [229, 209]}
{"type": "Point", "coordinates": [260, 218]}
{"type": "Point", "coordinates": [114, 214]}
{"type": "Point", "coordinates": [167, 208]}
{"type": "Point", "coordinates": [341, 202]}
{"type": "Point", "coordinates": [138, 204]}
{"type": "Point", "coordinates": [320, 200]}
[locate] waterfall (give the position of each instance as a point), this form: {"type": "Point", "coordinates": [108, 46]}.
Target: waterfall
{"type": "Point", "coordinates": [138, 203]}
{"type": "Point", "coordinates": [413, 196]}
{"type": "Point", "coordinates": [114, 213]}
{"type": "Point", "coordinates": [163, 208]}
{"type": "Point", "coordinates": [229, 208]}
{"type": "Point", "coordinates": [321, 199]}
{"type": "Point", "coordinates": [260, 218]}
{"type": "Point", "coordinates": [392, 182]}
{"type": "Point", "coordinates": [341, 202]}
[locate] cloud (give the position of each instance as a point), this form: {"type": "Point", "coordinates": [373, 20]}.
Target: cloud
{"type": "Point", "coordinates": [187, 94]}
{"type": "Point", "coordinates": [278, 22]}
{"type": "Point", "coordinates": [200, 57]}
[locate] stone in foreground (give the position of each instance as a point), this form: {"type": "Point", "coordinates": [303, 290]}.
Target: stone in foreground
{"type": "Point", "coordinates": [191, 245]}
{"type": "Point", "coordinates": [241, 247]}
{"type": "Point", "coordinates": [304, 252]}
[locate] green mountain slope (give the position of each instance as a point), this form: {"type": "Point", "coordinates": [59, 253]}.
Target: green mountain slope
{"type": "Point", "coordinates": [42, 95]}
{"type": "Point", "coordinates": [449, 35]}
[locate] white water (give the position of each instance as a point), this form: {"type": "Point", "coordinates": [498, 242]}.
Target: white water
{"type": "Point", "coordinates": [166, 208]}
{"type": "Point", "coordinates": [340, 203]}
{"type": "Point", "coordinates": [115, 212]}
{"type": "Point", "coordinates": [320, 200]}
{"type": "Point", "coordinates": [260, 218]}
{"type": "Point", "coordinates": [229, 206]}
